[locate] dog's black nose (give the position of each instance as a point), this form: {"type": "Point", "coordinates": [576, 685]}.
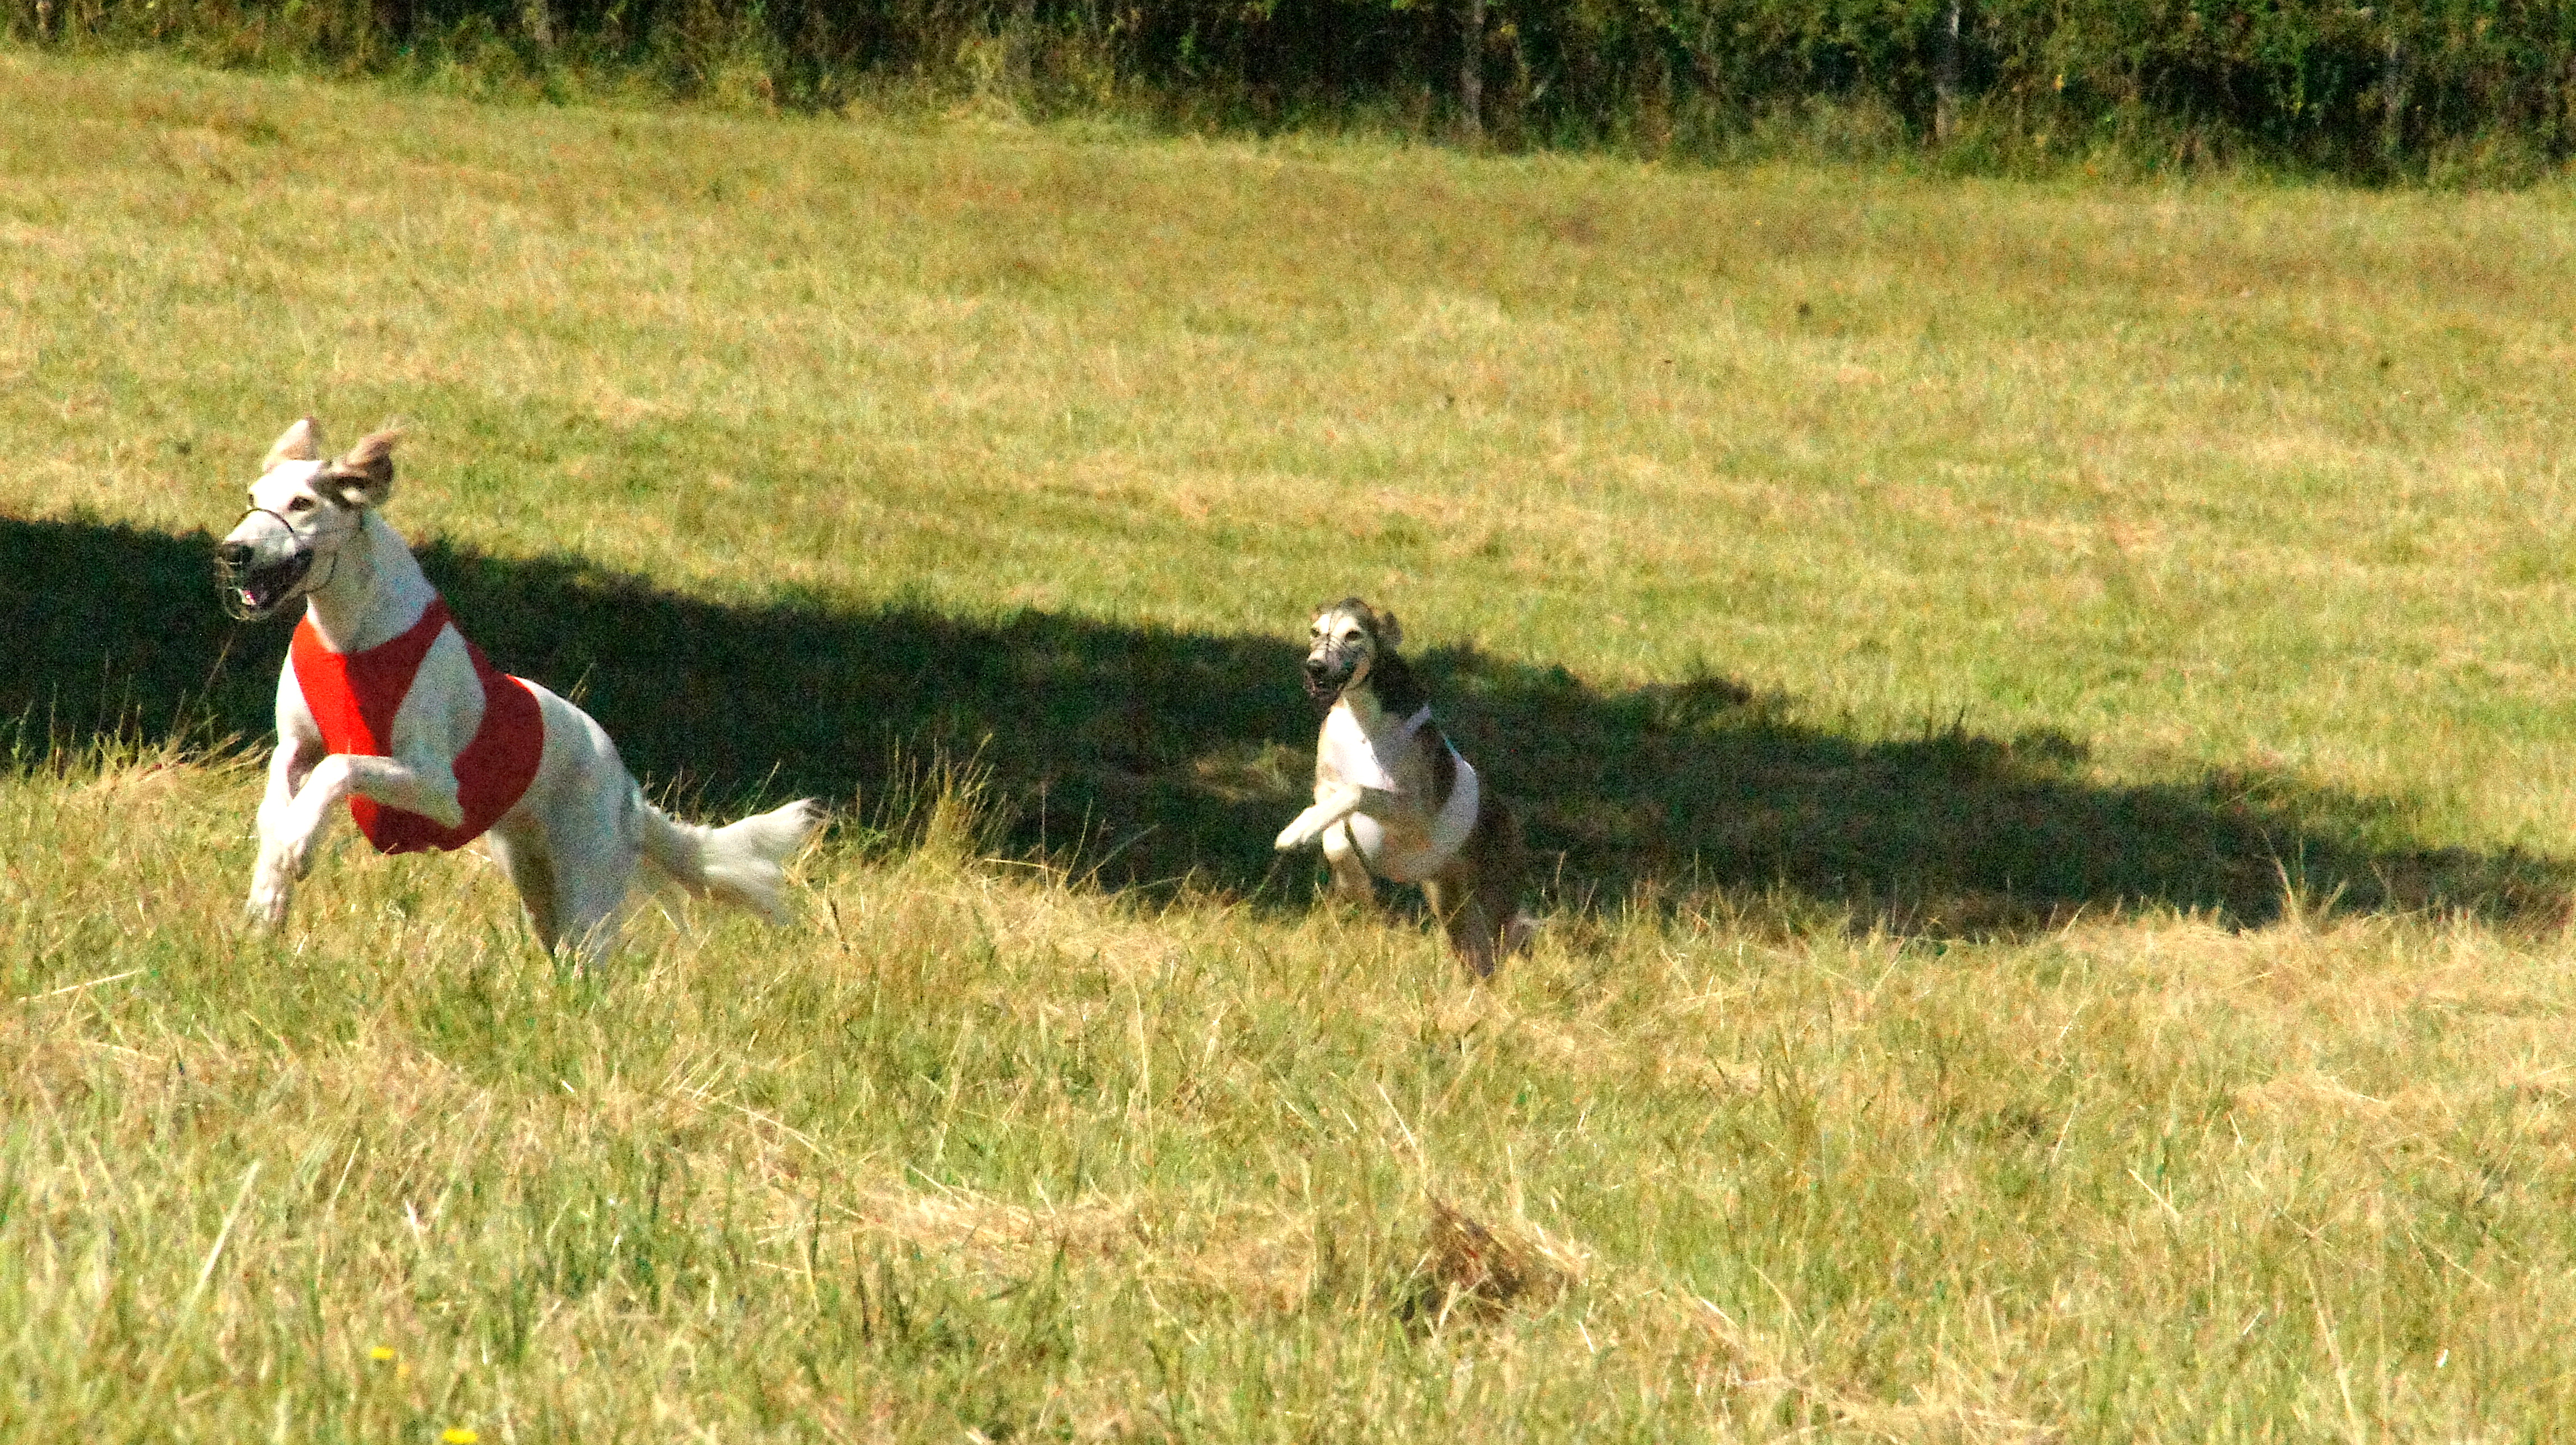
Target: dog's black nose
{"type": "Point", "coordinates": [1317, 667]}
{"type": "Point", "coordinates": [235, 555]}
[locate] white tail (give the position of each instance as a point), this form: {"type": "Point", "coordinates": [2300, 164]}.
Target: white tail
{"type": "Point", "coordinates": [740, 862]}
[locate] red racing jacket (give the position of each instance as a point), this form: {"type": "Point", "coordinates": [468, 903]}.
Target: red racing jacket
{"type": "Point", "coordinates": [353, 697]}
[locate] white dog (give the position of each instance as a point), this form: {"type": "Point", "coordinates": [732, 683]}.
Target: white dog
{"type": "Point", "coordinates": [384, 706]}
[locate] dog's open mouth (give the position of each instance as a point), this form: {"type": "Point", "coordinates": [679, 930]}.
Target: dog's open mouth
{"type": "Point", "coordinates": [1324, 686]}
{"type": "Point", "coordinates": [252, 592]}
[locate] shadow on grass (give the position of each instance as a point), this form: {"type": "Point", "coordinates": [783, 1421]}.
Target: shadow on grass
{"type": "Point", "coordinates": [1148, 755]}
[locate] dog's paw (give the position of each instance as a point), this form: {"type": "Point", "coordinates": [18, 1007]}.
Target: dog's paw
{"type": "Point", "coordinates": [266, 907]}
{"type": "Point", "coordinates": [1297, 834]}
{"type": "Point", "coordinates": [272, 884]}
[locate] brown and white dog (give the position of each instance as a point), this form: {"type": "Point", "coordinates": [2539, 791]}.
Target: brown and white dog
{"type": "Point", "coordinates": [1393, 798]}
{"type": "Point", "coordinates": [387, 713]}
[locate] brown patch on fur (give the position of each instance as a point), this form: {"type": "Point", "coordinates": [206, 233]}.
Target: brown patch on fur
{"type": "Point", "coordinates": [1477, 898]}
{"type": "Point", "coordinates": [365, 475]}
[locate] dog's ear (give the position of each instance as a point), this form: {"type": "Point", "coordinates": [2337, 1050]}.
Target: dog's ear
{"type": "Point", "coordinates": [365, 476]}
{"type": "Point", "coordinates": [1390, 633]}
{"type": "Point", "coordinates": [301, 442]}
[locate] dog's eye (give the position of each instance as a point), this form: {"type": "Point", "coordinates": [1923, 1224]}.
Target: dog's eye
{"type": "Point", "coordinates": [300, 504]}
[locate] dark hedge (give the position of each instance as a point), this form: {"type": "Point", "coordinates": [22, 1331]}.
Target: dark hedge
{"type": "Point", "coordinates": [2364, 91]}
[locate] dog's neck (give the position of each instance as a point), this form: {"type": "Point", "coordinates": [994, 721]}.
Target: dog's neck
{"type": "Point", "coordinates": [1385, 697]}
{"type": "Point", "coordinates": [375, 592]}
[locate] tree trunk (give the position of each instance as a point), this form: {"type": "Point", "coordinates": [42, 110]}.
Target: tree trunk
{"type": "Point", "coordinates": [1471, 73]}
{"type": "Point", "coordinates": [2392, 98]}
{"type": "Point", "coordinates": [1018, 38]}
{"type": "Point", "coordinates": [393, 23]}
{"type": "Point", "coordinates": [539, 17]}
{"type": "Point", "coordinates": [1945, 76]}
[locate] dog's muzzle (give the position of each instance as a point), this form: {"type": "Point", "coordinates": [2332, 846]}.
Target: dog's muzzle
{"type": "Point", "coordinates": [1325, 680]}
{"type": "Point", "coordinates": [255, 587]}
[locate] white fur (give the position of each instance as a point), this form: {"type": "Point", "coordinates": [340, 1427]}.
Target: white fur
{"type": "Point", "coordinates": [1409, 855]}
{"type": "Point", "coordinates": [1348, 812]}
{"type": "Point", "coordinates": [572, 841]}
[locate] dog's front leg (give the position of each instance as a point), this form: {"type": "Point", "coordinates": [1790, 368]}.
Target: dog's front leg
{"type": "Point", "coordinates": [287, 824]}
{"type": "Point", "coordinates": [272, 879]}
{"type": "Point", "coordinates": [294, 820]}
{"type": "Point", "coordinates": [422, 783]}
{"type": "Point", "coordinates": [1339, 803]}
{"type": "Point", "coordinates": [1335, 805]}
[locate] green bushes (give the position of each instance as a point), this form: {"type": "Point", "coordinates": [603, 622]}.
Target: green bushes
{"type": "Point", "coordinates": [2482, 88]}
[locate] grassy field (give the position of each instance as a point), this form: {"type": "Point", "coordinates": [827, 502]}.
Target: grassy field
{"type": "Point", "coordinates": [2044, 712]}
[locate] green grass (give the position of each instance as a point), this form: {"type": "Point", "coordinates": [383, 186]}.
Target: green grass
{"type": "Point", "coordinates": [2041, 708]}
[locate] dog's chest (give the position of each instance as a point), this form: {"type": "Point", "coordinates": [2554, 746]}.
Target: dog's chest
{"type": "Point", "coordinates": [1347, 752]}
{"type": "Point", "coordinates": [1409, 842]}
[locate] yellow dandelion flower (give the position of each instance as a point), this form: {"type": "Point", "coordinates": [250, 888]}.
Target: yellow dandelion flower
{"type": "Point", "coordinates": [381, 1354]}
{"type": "Point", "coordinates": [458, 1435]}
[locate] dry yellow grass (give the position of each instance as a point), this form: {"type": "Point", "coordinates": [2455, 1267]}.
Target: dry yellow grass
{"type": "Point", "coordinates": [974, 1148]}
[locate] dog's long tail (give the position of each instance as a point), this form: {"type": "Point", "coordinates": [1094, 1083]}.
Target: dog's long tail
{"type": "Point", "coordinates": [741, 862]}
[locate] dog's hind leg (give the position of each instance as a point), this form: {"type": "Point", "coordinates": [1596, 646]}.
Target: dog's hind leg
{"type": "Point", "coordinates": [1513, 928]}
{"type": "Point", "coordinates": [1501, 868]}
{"type": "Point", "coordinates": [1459, 904]}
{"type": "Point", "coordinates": [522, 854]}
{"type": "Point", "coordinates": [591, 880]}
{"type": "Point", "coordinates": [572, 841]}
{"type": "Point", "coordinates": [594, 865]}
